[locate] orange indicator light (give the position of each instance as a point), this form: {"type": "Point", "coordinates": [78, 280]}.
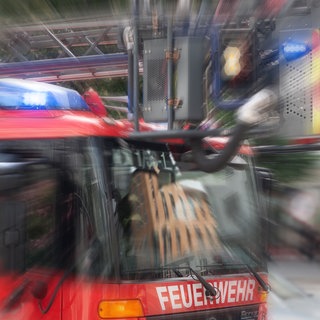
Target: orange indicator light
{"type": "Point", "coordinates": [117, 309]}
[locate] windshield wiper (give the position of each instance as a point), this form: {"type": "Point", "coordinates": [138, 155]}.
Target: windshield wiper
{"type": "Point", "coordinates": [222, 266]}
{"type": "Point", "coordinates": [16, 295]}
{"type": "Point", "coordinates": [226, 241]}
{"type": "Point", "coordinates": [174, 266]}
{"type": "Point", "coordinates": [210, 290]}
{"type": "Point", "coordinates": [265, 286]}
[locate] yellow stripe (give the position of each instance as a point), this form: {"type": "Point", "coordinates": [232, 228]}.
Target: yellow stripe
{"type": "Point", "coordinates": [315, 83]}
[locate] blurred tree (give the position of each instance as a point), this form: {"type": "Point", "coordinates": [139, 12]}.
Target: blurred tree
{"type": "Point", "coordinates": [226, 118]}
{"type": "Point", "coordinates": [287, 167]}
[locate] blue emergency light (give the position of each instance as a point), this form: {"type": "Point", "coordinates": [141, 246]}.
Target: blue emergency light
{"type": "Point", "coordinates": [18, 94]}
{"type": "Point", "coordinates": [293, 50]}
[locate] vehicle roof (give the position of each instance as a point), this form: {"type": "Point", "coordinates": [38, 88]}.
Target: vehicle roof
{"type": "Point", "coordinates": [48, 124]}
{"type": "Point", "coordinates": [31, 109]}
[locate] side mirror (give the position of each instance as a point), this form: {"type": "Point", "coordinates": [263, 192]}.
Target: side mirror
{"type": "Point", "coordinates": [11, 169]}
{"type": "Point", "coordinates": [265, 180]}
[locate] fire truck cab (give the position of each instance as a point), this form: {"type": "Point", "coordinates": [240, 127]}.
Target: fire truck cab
{"type": "Point", "coordinates": [99, 223]}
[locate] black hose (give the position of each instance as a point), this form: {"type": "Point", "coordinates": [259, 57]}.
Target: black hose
{"type": "Point", "coordinates": [219, 161]}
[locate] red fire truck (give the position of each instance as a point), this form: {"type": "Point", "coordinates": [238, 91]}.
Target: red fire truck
{"type": "Point", "coordinates": [98, 221]}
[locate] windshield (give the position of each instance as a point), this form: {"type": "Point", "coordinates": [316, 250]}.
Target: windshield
{"type": "Point", "coordinates": [123, 210]}
{"type": "Point", "coordinates": [172, 216]}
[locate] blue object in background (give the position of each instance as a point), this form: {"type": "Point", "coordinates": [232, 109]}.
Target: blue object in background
{"type": "Point", "coordinates": [293, 50]}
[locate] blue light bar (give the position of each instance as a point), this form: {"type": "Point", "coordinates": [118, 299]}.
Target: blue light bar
{"type": "Point", "coordinates": [17, 94]}
{"type": "Point", "coordinates": [293, 50]}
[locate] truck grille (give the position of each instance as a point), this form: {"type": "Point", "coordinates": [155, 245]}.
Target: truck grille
{"type": "Point", "coordinates": [237, 313]}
